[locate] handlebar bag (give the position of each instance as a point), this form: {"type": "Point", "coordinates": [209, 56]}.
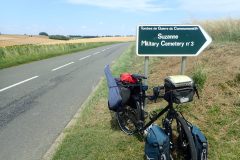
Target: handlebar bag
{"type": "Point", "coordinates": [179, 89]}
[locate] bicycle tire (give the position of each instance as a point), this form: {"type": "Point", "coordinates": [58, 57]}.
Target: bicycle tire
{"type": "Point", "coordinates": [129, 116]}
{"type": "Point", "coordinates": [189, 137]}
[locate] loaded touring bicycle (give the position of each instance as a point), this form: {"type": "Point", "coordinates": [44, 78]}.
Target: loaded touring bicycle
{"type": "Point", "coordinates": [126, 97]}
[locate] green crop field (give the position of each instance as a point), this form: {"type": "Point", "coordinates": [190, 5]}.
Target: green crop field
{"type": "Point", "coordinates": [19, 54]}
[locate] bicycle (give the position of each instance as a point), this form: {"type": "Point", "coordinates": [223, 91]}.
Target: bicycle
{"type": "Point", "coordinates": [131, 118]}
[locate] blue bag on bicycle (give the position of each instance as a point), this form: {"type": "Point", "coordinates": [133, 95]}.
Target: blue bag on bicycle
{"type": "Point", "coordinates": [157, 145]}
{"type": "Point", "coordinates": [114, 96]}
{"type": "Point", "coordinates": [201, 143]}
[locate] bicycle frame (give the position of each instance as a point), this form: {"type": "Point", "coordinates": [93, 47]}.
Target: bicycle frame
{"type": "Point", "coordinates": [141, 98]}
{"type": "Point", "coordinates": [166, 109]}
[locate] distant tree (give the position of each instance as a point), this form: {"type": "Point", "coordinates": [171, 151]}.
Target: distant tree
{"type": "Point", "coordinates": [58, 37]}
{"type": "Point", "coordinates": [43, 34]}
{"type": "Point", "coordinates": [75, 36]}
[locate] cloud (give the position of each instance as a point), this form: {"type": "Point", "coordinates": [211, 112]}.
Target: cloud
{"type": "Point", "coordinates": [100, 23]}
{"type": "Point", "coordinates": [210, 6]}
{"type": "Point", "coordinates": [130, 5]}
{"type": "Point", "coordinates": [83, 27]}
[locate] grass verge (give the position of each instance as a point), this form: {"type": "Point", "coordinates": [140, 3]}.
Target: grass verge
{"type": "Point", "coordinates": [97, 136]}
{"type": "Point", "coordinates": [199, 77]}
{"type": "Point", "coordinates": [15, 55]}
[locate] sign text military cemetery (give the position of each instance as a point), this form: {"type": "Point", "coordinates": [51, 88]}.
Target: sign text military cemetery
{"type": "Point", "coordinates": [171, 40]}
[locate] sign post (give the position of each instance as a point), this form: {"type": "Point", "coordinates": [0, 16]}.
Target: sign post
{"type": "Point", "coordinates": [146, 62]}
{"type": "Point", "coordinates": [183, 65]}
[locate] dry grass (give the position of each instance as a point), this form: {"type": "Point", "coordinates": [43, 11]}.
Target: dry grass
{"type": "Point", "coordinates": [102, 39]}
{"type": "Point", "coordinates": [11, 40]}
{"type": "Point", "coordinates": [95, 135]}
{"type": "Point", "coordinates": [217, 112]}
{"type": "Point", "coordinates": [223, 29]}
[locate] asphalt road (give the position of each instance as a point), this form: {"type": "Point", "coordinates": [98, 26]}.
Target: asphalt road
{"type": "Point", "coordinates": [38, 99]}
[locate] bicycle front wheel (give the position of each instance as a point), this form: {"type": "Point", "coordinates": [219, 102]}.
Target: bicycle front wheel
{"type": "Point", "coordinates": [185, 142]}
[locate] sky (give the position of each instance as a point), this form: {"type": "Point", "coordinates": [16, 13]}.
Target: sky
{"type": "Point", "coordinates": [106, 17]}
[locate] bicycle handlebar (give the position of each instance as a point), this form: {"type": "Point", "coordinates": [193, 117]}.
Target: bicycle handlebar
{"type": "Point", "coordinates": [156, 92]}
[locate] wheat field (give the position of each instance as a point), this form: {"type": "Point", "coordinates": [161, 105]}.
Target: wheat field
{"type": "Point", "coordinates": [11, 40]}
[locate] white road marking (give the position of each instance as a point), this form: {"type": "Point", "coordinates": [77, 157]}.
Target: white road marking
{"type": "Point", "coordinates": [1, 90]}
{"type": "Point", "coordinates": [62, 66]}
{"type": "Point", "coordinates": [103, 50]}
{"type": "Point", "coordinates": [96, 53]}
{"type": "Point", "coordinates": [84, 57]}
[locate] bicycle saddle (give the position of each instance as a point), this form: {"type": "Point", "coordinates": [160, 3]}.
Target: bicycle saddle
{"type": "Point", "coordinates": [138, 76]}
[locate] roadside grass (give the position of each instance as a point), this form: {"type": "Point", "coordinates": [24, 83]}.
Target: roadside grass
{"type": "Point", "coordinates": [217, 112]}
{"type": "Point", "coordinates": [97, 136]}
{"type": "Point", "coordinates": [223, 29]}
{"type": "Point", "coordinates": [218, 109]}
{"type": "Point", "coordinates": [15, 55]}
{"type": "Point", "coordinates": [199, 76]}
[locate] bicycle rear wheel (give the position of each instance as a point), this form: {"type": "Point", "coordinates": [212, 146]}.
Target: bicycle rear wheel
{"type": "Point", "coordinates": [128, 118]}
{"type": "Point", "coordinates": [185, 142]}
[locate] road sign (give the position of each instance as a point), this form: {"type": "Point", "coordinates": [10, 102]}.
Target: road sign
{"type": "Point", "coordinates": [171, 40]}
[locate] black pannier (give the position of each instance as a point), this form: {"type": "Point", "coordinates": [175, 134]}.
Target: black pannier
{"type": "Point", "coordinates": [179, 89]}
{"type": "Point", "coordinates": [129, 92]}
{"type": "Point", "coordinates": [125, 93]}
{"type": "Point", "coordinates": [118, 93]}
